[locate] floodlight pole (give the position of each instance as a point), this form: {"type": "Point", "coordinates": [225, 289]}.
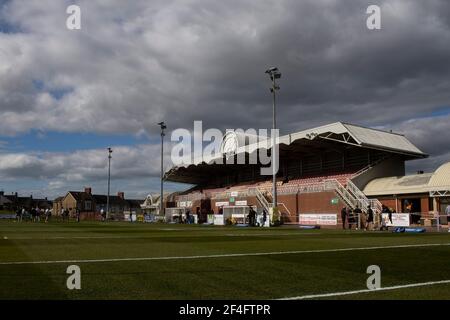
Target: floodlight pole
{"type": "Point", "coordinates": [274, 74]}
{"type": "Point", "coordinates": [110, 151]}
{"type": "Point", "coordinates": [161, 205]}
{"type": "Point", "coordinates": [274, 149]}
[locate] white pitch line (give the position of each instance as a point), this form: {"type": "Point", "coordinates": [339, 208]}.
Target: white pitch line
{"type": "Point", "coordinates": [230, 255]}
{"type": "Point", "coordinates": [157, 235]}
{"type": "Point", "coordinates": [80, 238]}
{"type": "Point", "coordinates": [270, 234]}
{"type": "Point", "coordinates": [346, 293]}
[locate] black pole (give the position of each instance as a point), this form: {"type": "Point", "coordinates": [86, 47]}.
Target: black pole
{"type": "Point", "coordinates": [274, 155]}
{"type": "Point", "coordinates": [109, 182]}
{"type": "Point", "coordinates": [161, 204]}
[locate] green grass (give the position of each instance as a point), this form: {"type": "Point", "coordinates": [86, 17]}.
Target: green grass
{"type": "Point", "coordinates": [243, 277]}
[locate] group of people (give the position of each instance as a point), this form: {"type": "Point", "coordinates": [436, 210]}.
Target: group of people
{"type": "Point", "coordinates": [66, 214]}
{"type": "Point", "coordinates": [33, 214]}
{"type": "Point", "coordinates": [366, 220]}
{"type": "Point", "coordinates": [253, 218]}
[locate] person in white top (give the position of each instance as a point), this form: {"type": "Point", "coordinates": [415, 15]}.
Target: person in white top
{"type": "Point", "coordinates": [447, 212]}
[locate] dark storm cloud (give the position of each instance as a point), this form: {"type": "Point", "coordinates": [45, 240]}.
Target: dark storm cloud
{"type": "Point", "coordinates": [205, 60]}
{"type": "Point", "coordinates": [432, 135]}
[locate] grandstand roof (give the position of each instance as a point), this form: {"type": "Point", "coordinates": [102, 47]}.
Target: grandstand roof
{"type": "Point", "coordinates": [441, 178]}
{"type": "Point", "coordinates": [417, 183]}
{"type": "Point", "coordinates": [339, 132]}
{"type": "Point", "coordinates": [345, 133]}
{"type": "Point", "coordinates": [382, 139]}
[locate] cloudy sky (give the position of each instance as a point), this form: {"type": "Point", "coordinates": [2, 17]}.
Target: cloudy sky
{"type": "Point", "coordinates": [67, 95]}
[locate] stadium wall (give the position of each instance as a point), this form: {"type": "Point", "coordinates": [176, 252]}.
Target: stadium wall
{"type": "Point", "coordinates": [291, 203]}
{"type": "Point", "coordinates": [320, 202]}
{"type": "Point", "coordinates": [393, 166]}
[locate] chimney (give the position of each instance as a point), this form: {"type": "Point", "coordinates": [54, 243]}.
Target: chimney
{"type": "Point", "coordinates": [2, 193]}
{"type": "Point", "coordinates": [121, 195]}
{"type": "Point", "coordinates": [88, 190]}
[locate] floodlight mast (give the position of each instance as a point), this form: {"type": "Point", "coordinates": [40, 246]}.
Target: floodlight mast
{"type": "Point", "coordinates": [274, 74]}
{"type": "Point", "coordinates": [110, 151]}
{"type": "Point", "coordinates": [161, 205]}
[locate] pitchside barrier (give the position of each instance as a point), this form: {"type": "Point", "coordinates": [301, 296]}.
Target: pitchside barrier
{"type": "Point", "coordinates": [8, 216]}
{"type": "Point", "coordinates": [433, 221]}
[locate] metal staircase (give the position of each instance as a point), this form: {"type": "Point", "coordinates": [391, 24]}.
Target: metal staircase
{"type": "Point", "coordinates": [342, 193]}
{"type": "Point", "coordinates": [264, 202]}
{"type": "Point", "coordinates": [261, 198]}
{"type": "Point", "coordinates": [351, 195]}
{"type": "Point", "coordinates": [375, 204]}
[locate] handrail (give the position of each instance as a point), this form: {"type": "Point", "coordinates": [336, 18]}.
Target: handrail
{"type": "Point", "coordinates": [261, 198]}
{"type": "Point", "coordinates": [374, 203]}
{"type": "Point", "coordinates": [370, 166]}
{"type": "Point", "coordinates": [190, 197]}
{"type": "Point", "coordinates": [350, 194]}
{"type": "Point", "coordinates": [281, 203]}
{"type": "Point", "coordinates": [304, 188]}
{"type": "Point", "coordinates": [227, 194]}
{"type": "Point", "coordinates": [341, 191]}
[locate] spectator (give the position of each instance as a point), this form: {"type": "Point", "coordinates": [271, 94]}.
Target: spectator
{"type": "Point", "coordinates": [369, 218]}
{"type": "Point", "coordinates": [388, 212]}
{"type": "Point", "coordinates": [252, 216]}
{"type": "Point", "coordinates": [264, 217]}
{"type": "Point", "coordinates": [188, 220]}
{"type": "Point", "coordinates": [66, 215]}
{"type": "Point", "coordinates": [447, 212]}
{"type": "Point", "coordinates": [19, 215]}
{"type": "Point", "coordinates": [38, 214]}
{"type": "Point", "coordinates": [48, 215]}
{"type": "Point", "coordinates": [350, 218]}
{"type": "Point", "coordinates": [359, 217]}
{"type": "Point", "coordinates": [383, 224]}
{"type": "Point", "coordinates": [33, 214]}
{"type": "Point", "coordinates": [344, 216]}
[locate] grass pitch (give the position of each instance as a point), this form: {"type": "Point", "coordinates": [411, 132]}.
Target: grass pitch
{"type": "Point", "coordinates": [129, 261]}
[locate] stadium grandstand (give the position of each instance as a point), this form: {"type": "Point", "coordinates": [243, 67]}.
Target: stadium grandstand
{"type": "Point", "coordinates": [321, 170]}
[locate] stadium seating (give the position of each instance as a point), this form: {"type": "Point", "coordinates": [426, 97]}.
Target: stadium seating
{"type": "Point", "coordinates": [292, 184]}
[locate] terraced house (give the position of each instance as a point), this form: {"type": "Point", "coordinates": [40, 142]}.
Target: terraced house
{"type": "Point", "coordinates": [90, 205]}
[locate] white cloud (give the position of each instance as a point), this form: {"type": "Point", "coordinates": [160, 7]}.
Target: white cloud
{"type": "Point", "coordinates": [84, 165]}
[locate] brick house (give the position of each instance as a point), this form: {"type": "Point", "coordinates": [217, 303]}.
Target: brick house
{"type": "Point", "coordinates": [91, 205]}
{"type": "Point", "coordinates": [13, 202]}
